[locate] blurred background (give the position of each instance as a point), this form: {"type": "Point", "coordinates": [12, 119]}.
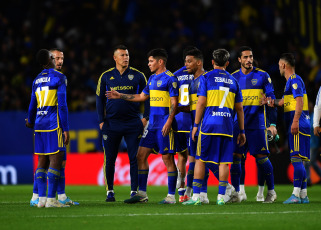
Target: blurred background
{"type": "Point", "coordinates": [87, 30]}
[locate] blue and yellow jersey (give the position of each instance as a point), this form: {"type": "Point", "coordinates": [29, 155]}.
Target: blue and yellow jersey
{"type": "Point", "coordinates": [48, 109]}
{"type": "Point", "coordinates": [295, 88]}
{"type": "Point", "coordinates": [131, 81]}
{"type": "Point", "coordinates": [160, 89]}
{"type": "Point", "coordinates": [193, 89]}
{"type": "Point", "coordinates": [222, 91]}
{"type": "Point", "coordinates": [184, 79]}
{"type": "Point", "coordinates": [252, 85]}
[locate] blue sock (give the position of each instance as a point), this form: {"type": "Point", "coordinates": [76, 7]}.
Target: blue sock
{"type": "Point", "coordinates": [190, 174]}
{"type": "Point", "coordinates": [236, 173]}
{"type": "Point", "coordinates": [242, 177]}
{"type": "Point", "coordinates": [298, 171]}
{"type": "Point", "coordinates": [214, 168]}
{"type": "Point", "coordinates": [53, 177]}
{"type": "Point", "coordinates": [204, 184]}
{"type": "Point", "coordinates": [35, 184]}
{"type": "Point", "coordinates": [197, 185]}
{"type": "Point", "coordinates": [304, 180]}
{"type": "Point", "coordinates": [266, 167]}
{"type": "Point", "coordinates": [181, 191]}
{"type": "Point", "coordinates": [61, 182]}
{"type": "Point", "coordinates": [172, 179]}
{"type": "Point", "coordinates": [142, 179]}
{"type": "Point", "coordinates": [222, 187]}
{"type": "Point", "coordinates": [260, 176]}
{"type": "Point", "coordinates": [41, 179]}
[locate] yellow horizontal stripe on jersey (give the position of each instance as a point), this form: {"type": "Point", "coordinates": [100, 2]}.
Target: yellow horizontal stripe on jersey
{"type": "Point", "coordinates": [215, 97]}
{"type": "Point", "coordinates": [193, 101]}
{"type": "Point", "coordinates": [159, 98]}
{"type": "Point", "coordinates": [216, 134]}
{"type": "Point", "coordinates": [47, 100]}
{"type": "Point", "coordinates": [251, 97]}
{"type": "Point", "coordinates": [290, 103]}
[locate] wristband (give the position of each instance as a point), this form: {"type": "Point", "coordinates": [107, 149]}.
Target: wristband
{"type": "Point", "coordinates": [196, 125]}
{"type": "Point", "coordinates": [273, 125]}
{"type": "Point", "coordinates": [242, 131]}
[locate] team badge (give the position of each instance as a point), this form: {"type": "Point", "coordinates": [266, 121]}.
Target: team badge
{"type": "Point", "coordinates": [105, 137]}
{"type": "Point", "coordinates": [174, 84]}
{"type": "Point", "coordinates": [269, 79]}
{"type": "Point", "coordinates": [159, 83]}
{"type": "Point", "coordinates": [295, 86]}
{"type": "Point", "coordinates": [130, 77]}
{"type": "Point", "coordinates": [254, 81]}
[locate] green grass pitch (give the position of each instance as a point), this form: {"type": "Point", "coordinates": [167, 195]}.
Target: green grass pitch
{"type": "Point", "coordinates": [95, 213]}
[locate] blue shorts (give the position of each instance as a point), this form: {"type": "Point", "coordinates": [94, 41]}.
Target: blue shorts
{"type": "Point", "coordinates": [192, 149]}
{"type": "Point", "coordinates": [153, 139]}
{"type": "Point", "coordinates": [215, 149]}
{"type": "Point", "coordinates": [181, 141]}
{"type": "Point", "coordinates": [256, 142]}
{"type": "Point", "coordinates": [47, 143]}
{"type": "Point", "coordinates": [299, 145]}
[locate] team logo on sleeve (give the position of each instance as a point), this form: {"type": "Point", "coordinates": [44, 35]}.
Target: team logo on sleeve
{"type": "Point", "coordinates": [295, 86]}
{"type": "Point", "coordinates": [66, 82]}
{"type": "Point", "coordinates": [174, 84]}
{"type": "Point", "coordinates": [159, 83]}
{"type": "Point", "coordinates": [130, 77]}
{"type": "Point", "coordinates": [269, 79]}
{"type": "Point", "coordinates": [254, 81]}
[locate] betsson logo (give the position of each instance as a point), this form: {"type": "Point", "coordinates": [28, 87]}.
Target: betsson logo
{"type": "Point", "coordinates": [157, 173]}
{"type": "Point", "coordinates": [8, 170]}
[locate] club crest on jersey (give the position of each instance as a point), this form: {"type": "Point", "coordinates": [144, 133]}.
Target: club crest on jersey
{"type": "Point", "coordinates": [295, 86]}
{"type": "Point", "coordinates": [269, 79]}
{"type": "Point", "coordinates": [159, 83]}
{"type": "Point", "coordinates": [174, 84]}
{"type": "Point", "coordinates": [130, 77]}
{"type": "Point", "coordinates": [254, 81]}
{"type": "Point", "coordinates": [105, 137]}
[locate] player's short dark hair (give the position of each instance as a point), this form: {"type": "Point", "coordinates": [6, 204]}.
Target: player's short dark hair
{"type": "Point", "coordinates": [158, 53]}
{"type": "Point", "coordinates": [188, 48]}
{"type": "Point", "coordinates": [195, 53]}
{"type": "Point", "coordinates": [289, 58]}
{"type": "Point", "coordinates": [119, 47]}
{"type": "Point", "coordinates": [241, 49]}
{"type": "Point", "coordinates": [220, 57]}
{"type": "Point", "coordinates": [56, 49]}
{"type": "Point", "coordinates": [43, 56]}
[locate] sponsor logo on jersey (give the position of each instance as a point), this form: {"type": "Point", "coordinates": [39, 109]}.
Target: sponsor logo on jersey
{"type": "Point", "coordinates": [254, 81]}
{"type": "Point", "coordinates": [295, 86]}
{"type": "Point", "coordinates": [122, 87]}
{"type": "Point", "coordinates": [224, 80]}
{"type": "Point", "coordinates": [40, 113]}
{"type": "Point", "coordinates": [130, 77]}
{"type": "Point", "coordinates": [159, 83]}
{"type": "Point", "coordinates": [221, 114]}
{"type": "Point", "coordinates": [112, 78]}
{"type": "Point", "coordinates": [43, 79]}
{"type": "Point", "coordinates": [156, 99]}
{"type": "Point", "coordinates": [174, 84]}
{"type": "Point", "coordinates": [252, 98]}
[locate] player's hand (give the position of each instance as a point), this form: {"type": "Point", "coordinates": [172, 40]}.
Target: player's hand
{"type": "Point", "coordinates": [281, 102]}
{"type": "Point", "coordinates": [67, 138]}
{"type": "Point", "coordinates": [295, 127]}
{"type": "Point", "coordinates": [166, 128]}
{"type": "Point", "coordinates": [241, 139]}
{"type": "Point", "coordinates": [113, 94]}
{"type": "Point", "coordinates": [194, 131]}
{"type": "Point", "coordinates": [101, 125]}
{"type": "Point", "coordinates": [316, 131]}
{"type": "Point", "coordinates": [273, 130]}
{"type": "Point", "coordinates": [28, 125]}
{"type": "Point", "coordinates": [144, 121]}
{"type": "Point", "coordinates": [263, 100]}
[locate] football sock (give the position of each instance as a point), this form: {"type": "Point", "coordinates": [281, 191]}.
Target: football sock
{"type": "Point", "coordinates": [142, 179]}
{"type": "Point", "coordinates": [41, 177]}
{"type": "Point", "coordinates": [190, 175]}
{"type": "Point", "coordinates": [61, 182]}
{"type": "Point", "coordinates": [304, 179]}
{"type": "Point", "coordinates": [236, 173]}
{"type": "Point", "coordinates": [189, 191]}
{"type": "Point", "coordinates": [35, 185]}
{"type": "Point", "coordinates": [222, 187]}
{"type": "Point", "coordinates": [181, 191]}
{"type": "Point", "coordinates": [260, 190]}
{"type": "Point", "coordinates": [204, 184]}
{"type": "Point", "coordinates": [260, 176]}
{"type": "Point", "coordinates": [298, 174]}
{"type": "Point", "coordinates": [172, 179]}
{"type": "Point", "coordinates": [242, 177]}
{"type": "Point", "coordinates": [267, 169]}
{"type": "Point", "coordinates": [197, 185]}
{"type": "Point", "coordinates": [53, 177]}
{"type": "Point", "coordinates": [242, 188]}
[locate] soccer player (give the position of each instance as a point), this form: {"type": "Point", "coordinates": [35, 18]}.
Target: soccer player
{"type": "Point", "coordinates": [162, 90]}
{"type": "Point", "coordinates": [219, 97]}
{"type": "Point", "coordinates": [48, 115]}
{"type": "Point", "coordinates": [297, 121]}
{"type": "Point", "coordinates": [62, 198]}
{"type": "Point", "coordinates": [184, 124]}
{"type": "Point", "coordinates": [254, 82]}
{"type": "Point", "coordinates": [122, 118]}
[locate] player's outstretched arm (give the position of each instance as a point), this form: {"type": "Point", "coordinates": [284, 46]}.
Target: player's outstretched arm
{"type": "Point", "coordinates": [241, 139]}
{"type": "Point", "coordinates": [113, 94]}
